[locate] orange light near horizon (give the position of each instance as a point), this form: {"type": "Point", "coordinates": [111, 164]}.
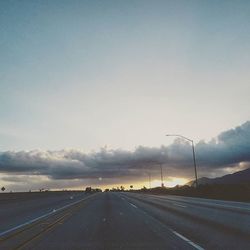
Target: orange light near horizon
{"type": "Point", "coordinates": [170, 182]}
{"type": "Point", "coordinates": [173, 181]}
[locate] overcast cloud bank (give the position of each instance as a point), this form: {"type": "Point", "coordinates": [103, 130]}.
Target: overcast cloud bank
{"type": "Point", "coordinates": [231, 149]}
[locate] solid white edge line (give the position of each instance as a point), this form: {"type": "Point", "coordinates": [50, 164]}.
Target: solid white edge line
{"type": "Point", "coordinates": [226, 206]}
{"type": "Point", "coordinates": [40, 217]}
{"type": "Point", "coordinates": [195, 202]}
{"type": "Point", "coordinates": [188, 241]}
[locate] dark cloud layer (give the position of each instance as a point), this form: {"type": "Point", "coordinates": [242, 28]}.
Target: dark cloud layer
{"type": "Point", "coordinates": [229, 149]}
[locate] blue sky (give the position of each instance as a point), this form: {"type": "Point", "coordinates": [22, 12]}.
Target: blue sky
{"type": "Point", "coordinates": [77, 76]}
{"type": "Point", "coordinates": [121, 73]}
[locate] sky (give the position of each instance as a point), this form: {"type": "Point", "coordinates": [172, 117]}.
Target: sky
{"type": "Point", "coordinates": [93, 79]}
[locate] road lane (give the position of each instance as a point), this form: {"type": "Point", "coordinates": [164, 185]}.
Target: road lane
{"type": "Point", "coordinates": [28, 232]}
{"type": "Point", "coordinates": [209, 225]}
{"type": "Point", "coordinates": [20, 208]}
{"type": "Point", "coordinates": [137, 221]}
{"type": "Point", "coordinates": [218, 204]}
{"type": "Point", "coordinates": [234, 217]}
{"type": "Point", "coordinates": [109, 222]}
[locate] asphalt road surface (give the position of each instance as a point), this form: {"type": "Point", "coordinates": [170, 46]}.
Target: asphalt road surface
{"type": "Point", "coordinates": [123, 221]}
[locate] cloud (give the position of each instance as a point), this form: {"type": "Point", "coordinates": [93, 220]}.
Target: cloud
{"type": "Point", "coordinates": [230, 149]}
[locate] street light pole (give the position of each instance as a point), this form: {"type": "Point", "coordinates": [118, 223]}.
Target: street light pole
{"type": "Point", "coordinates": [194, 158]}
{"type": "Point", "coordinates": [162, 184]}
{"type": "Point", "coordinates": [195, 167]}
{"type": "Point", "coordinates": [149, 180]}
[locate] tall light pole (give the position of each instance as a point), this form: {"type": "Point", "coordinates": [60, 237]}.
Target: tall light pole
{"type": "Point", "coordinates": [149, 180]}
{"type": "Point", "coordinates": [194, 158]}
{"type": "Point", "coordinates": [162, 184]}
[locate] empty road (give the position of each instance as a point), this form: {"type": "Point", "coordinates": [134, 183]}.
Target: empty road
{"type": "Point", "coordinates": [122, 221]}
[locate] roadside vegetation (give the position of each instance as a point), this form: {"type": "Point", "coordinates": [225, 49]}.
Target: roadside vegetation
{"type": "Point", "coordinates": [233, 192]}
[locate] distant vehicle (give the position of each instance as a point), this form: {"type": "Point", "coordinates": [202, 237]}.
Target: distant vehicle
{"type": "Point", "coordinates": [89, 190]}
{"type": "Point", "coordinates": [97, 190]}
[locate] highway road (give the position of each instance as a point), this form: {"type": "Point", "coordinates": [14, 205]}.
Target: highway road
{"type": "Point", "coordinates": [18, 208]}
{"type": "Point", "coordinates": [123, 221]}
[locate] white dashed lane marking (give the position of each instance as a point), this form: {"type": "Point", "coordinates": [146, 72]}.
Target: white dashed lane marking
{"type": "Point", "coordinates": [188, 241]}
{"type": "Point", "coordinates": [196, 246]}
{"type": "Point", "coordinates": [133, 205]}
